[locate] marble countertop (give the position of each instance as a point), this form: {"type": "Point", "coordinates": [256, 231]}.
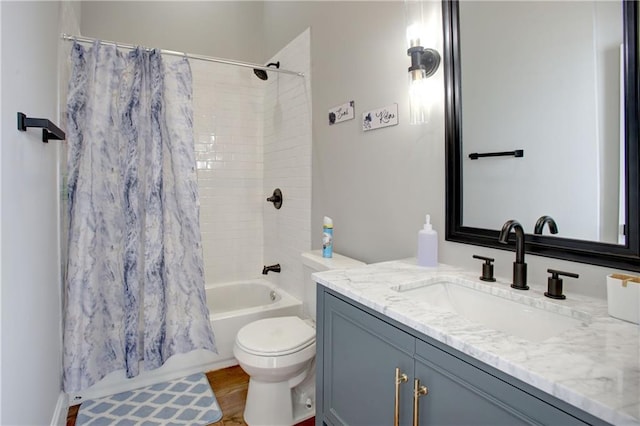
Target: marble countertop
{"type": "Point", "coordinates": [594, 366]}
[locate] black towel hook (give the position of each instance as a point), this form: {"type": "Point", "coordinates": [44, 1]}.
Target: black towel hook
{"type": "Point", "coordinates": [49, 130]}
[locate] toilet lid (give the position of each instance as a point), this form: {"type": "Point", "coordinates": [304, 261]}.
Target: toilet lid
{"type": "Point", "coordinates": [275, 336]}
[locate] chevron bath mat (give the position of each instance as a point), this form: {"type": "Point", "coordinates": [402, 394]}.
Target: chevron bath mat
{"type": "Point", "coordinates": [186, 401]}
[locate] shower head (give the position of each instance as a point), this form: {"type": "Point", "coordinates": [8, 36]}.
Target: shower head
{"type": "Point", "coordinates": [262, 74]}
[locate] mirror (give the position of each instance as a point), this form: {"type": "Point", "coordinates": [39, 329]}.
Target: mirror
{"type": "Point", "coordinates": [526, 81]}
{"type": "Point", "coordinates": [550, 89]}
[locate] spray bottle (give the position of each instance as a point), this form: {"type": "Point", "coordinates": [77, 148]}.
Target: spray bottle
{"type": "Point", "coordinates": [327, 237]}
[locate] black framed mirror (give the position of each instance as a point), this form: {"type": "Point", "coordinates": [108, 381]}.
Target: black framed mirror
{"type": "Point", "coordinates": [622, 254]}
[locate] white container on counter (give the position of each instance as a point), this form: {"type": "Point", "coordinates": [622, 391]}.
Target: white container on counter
{"type": "Point", "coordinates": [623, 297]}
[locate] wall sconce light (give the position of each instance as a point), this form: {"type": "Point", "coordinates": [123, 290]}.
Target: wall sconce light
{"type": "Point", "coordinates": [424, 63]}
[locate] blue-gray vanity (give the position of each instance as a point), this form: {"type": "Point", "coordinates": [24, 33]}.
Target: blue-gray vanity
{"type": "Point", "coordinates": [392, 315]}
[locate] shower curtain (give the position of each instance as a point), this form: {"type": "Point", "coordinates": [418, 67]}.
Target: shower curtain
{"type": "Point", "coordinates": [135, 278]}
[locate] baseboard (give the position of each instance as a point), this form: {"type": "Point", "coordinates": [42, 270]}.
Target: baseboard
{"type": "Point", "coordinates": [62, 409]}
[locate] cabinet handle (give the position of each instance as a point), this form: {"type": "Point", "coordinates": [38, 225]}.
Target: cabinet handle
{"type": "Point", "coordinates": [418, 391]}
{"type": "Point", "coordinates": [400, 378]}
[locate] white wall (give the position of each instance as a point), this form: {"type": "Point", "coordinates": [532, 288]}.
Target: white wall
{"type": "Point", "coordinates": [31, 285]}
{"type": "Point", "coordinates": [378, 185]}
{"type": "Point", "coordinates": [226, 29]}
{"type": "Point", "coordinates": [228, 122]}
{"type": "Point", "coordinates": [287, 164]}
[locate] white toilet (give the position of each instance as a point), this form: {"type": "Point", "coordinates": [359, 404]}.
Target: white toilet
{"type": "Point", "coordinates": [278, 354]}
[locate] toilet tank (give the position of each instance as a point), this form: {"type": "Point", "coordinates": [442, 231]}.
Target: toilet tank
{"type": "Point", "coordinates": [312, 261]}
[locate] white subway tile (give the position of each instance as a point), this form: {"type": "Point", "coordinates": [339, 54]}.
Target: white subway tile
{"type": "Point", "coordinates": [242, 154]}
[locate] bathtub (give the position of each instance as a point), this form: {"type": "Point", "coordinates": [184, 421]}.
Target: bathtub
{"type": "Point", "coordinates": [231, 306]}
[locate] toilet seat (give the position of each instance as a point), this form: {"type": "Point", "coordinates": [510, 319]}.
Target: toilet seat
{"type": "Point", "coordinates": [276, 336]}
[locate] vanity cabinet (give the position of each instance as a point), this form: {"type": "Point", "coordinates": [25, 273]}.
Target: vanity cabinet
{"type": "Point", "coordinates": [358, 368]}
{"type": "Point", "coordinates": [357, 356]}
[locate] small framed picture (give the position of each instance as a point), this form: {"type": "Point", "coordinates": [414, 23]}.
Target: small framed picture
{"type": "Point", "coordinates": [381, 117]}
{"type": "Point", "coordinates": [342, 113]}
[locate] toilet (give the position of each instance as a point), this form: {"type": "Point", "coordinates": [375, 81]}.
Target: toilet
{"type": "Point", "coordinates": [278, 354]}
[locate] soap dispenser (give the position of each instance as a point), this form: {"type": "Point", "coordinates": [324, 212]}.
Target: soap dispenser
{"type": "Point", "coordinates": [427, 245]}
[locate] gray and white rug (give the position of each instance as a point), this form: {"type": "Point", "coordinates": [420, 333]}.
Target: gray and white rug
{"type": "Point", "coordinates": [186, 401]}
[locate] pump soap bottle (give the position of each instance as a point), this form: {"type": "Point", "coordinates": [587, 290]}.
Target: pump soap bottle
{"type": "Point", "coordinates": [427, 245]}
{"type": "Point", "coordinates": [327, 237]}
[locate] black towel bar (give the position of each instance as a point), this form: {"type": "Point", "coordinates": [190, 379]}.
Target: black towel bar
{"type": "Point", "coordinates": [49, 130]}
{"type": "Point", "coordinates": [516, 153]}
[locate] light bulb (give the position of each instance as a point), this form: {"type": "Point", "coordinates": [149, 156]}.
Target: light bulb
{"type": "Point", "coordinates": [419, 103]}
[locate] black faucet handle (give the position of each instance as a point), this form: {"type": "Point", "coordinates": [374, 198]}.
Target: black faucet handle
{"type": "Point", "coordinates": [487, 268]}
{"type": "Point", "coordinates": [555, 273]}
{"type": "Point", "coordinates": [554, 283]}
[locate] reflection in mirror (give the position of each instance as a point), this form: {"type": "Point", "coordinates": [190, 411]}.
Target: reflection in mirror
{"type": "Point", "coordinates": [543, 77]}
{"type": "Point", "coordinates": [559, 81]}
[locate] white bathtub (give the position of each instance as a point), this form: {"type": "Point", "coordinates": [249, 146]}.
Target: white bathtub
{"type": "Point", "coordinates": [231, 306]}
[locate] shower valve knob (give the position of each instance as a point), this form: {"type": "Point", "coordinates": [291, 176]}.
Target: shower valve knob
{"type": "Point", "coordinates": [276, 198]}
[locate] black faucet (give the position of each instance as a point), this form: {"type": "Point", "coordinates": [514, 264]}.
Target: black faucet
{"type": "Point", "coordinates": [271, 268]}
{"type": "Point", "coordinates": [553, 228]}
{"type": "Point", "coordinates": [519, 267]}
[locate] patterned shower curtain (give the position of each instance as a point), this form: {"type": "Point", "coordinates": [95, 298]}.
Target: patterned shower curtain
{"type": "Point", "coordinates": [135, 278]}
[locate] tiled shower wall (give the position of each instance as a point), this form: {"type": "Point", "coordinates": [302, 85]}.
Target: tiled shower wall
{"type": "Point", "coordinates": [227, 103]}
{"type": "Point", "coordinates": [287, 164]}
{"type": "Point", "coordinates": [251, 137]}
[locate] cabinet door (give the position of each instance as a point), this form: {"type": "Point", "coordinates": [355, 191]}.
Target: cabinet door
{"type": "Point", "coordinates": [360, 355]}
{"type": "Point", "coordinates": [462, 394]}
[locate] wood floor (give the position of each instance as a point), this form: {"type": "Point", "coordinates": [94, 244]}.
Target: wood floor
{"type": "Point", "coordinates": [230, 387]}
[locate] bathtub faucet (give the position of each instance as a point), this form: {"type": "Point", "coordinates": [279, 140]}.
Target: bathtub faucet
{"type": "Point", "coordinates": [271, 268]}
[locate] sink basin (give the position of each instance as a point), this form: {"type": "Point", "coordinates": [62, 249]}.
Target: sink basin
{"type": "Point", "coordinates": [517, 318]}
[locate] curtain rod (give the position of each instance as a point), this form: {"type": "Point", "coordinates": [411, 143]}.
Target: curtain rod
{"type": "Point", "coordinates": [186, 55]}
